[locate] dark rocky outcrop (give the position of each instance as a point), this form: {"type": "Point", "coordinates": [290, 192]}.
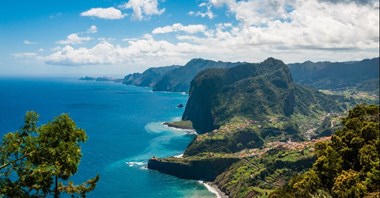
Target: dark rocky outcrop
{"type": "Point", "coordinates": [206, 169]}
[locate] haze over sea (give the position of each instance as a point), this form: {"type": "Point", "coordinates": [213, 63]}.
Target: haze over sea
{"type": "Point", "coordinates": [124, 127]}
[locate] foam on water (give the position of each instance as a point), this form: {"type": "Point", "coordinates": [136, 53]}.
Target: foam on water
{"type": "Point", "coordinates": [210, 188]}
{"type": "Point", "coordinates": [132, 164]}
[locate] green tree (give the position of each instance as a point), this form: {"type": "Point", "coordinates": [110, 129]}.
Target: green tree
{"type": "Point", "coordinates": [37, 161]}
{"type": "Point", "coordinates": [349, 165]}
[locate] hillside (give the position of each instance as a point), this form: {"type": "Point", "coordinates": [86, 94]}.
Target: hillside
{"type": "Point", "coordinates": [346, 166]}
{"type": "Point", "coordinates": [338, 75]}
{"type": "Point", "coordinates": [263, 92]}
{"type": "Point", "coordinates": [178, 80]}
{"type": "Point", "coordinates": [257, 129]}
{"type": "Point", "coordinates": [149, 77]}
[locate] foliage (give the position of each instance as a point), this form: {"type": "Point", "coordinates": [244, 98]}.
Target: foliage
{"type": "Point", "coordinates": [178, 80]}
{"type": "Point", "coordinates": [253, 91]}
{"type": "Point", "coordinates": [225, 142]}
{"type": "Point", "coordinates": [37, 159]}
{"type": "Point", "coordinates": [349, 165]}
{"type": "Point", "coordinates": [258, 176]}
{"type": "Point", "coordinates": [343, 75]}
{"type": "Point", "coordinates": [149, 77]}
{"type": "Point", "coordinates": [180, 124]}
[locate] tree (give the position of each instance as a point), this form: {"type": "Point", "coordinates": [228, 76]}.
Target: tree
{"type": "Point", "coordinates": [38, 160]}
{"type": "Point", "coordinates": [349, 165]}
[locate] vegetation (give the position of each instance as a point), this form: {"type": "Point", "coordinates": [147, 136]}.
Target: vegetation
{"type": "Point", "coordinates": [258, 176]}
{"type": "Point", "coordinates": [178, 80]}
{"type": "Point", "coordinates": [173, 78]}
{"type": "Point", "coordinates": [255, 92]}
{"type": "Point", "coordinates": [349, 165]}
{"type": "Point", "coordinates": [361, 75]}
{"type": "Point", "coordinates": [37, 161]}
{"type": "Point", "coordinates": [149, 77]}
{"type": "Point", "coordinates": [180, 124]}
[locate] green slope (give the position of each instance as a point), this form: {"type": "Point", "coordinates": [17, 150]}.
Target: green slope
{"type": "Point", "coordinates": [178, 80]}
{"type": "Point", "coordinates": [254, 91]}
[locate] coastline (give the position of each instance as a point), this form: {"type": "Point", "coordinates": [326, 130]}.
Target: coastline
{"type": "Point", "coordinates": [187, 130]}
{"type": "Point", "coordinates": [214, 189]}
{"type": "Point", "coordinates": [211, 187]}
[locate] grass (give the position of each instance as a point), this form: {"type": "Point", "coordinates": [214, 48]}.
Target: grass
{"type": "Point", "coordinates": [180, 124]}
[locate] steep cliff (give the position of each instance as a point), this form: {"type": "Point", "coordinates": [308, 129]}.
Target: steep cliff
{"type": "Point", "coordinates": [197, 168]}
{"type": "Point", "coordinates": [253, 91]}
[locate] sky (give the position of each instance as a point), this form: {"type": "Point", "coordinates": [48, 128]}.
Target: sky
{"type": "Point", "coordinates": [114, 38]}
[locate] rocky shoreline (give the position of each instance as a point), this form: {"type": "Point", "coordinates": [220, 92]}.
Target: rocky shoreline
{"type": "Point", "coordinates": [215, 189]}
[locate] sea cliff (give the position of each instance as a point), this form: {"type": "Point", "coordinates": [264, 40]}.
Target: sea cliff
{"type": "Point", "coordinates": [197, 168]}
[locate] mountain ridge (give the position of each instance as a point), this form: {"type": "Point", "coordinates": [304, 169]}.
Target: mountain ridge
{"type": "Point", "coordinates": [335, 75]}
{"type": "Point", "coordinates": [252, 91]}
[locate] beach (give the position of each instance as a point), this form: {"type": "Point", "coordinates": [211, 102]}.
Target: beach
{"type": "Point", "coordinates": [214, 189]}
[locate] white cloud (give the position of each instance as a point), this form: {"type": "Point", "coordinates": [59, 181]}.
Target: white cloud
{"type": "Point", "coordinates": [27, 42]}
{"type": "Point", "coordinates": [27, 57]}
{"type": "Point", "coordinates": [74, 39]}
{"type": "Point", "coordinates": [208, 13]}
{"type": "Point", "coordinates": [143, 9]}
{"type": "Point", "coordinates": [110, 13]}
{"type": "Point", "coordinates": [93, 29]}
{"type": "Point", "coordinates": [141, 52]}
{"type": "Point", "coordinates": [304, 24]}
{"type": "Point", "coordinates": [177, 27]}
{"type": "Point", "coordinates": [291, 30]}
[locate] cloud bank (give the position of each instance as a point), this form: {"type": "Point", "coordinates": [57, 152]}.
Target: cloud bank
{"type": "Point", "coordinates": [291, 30]}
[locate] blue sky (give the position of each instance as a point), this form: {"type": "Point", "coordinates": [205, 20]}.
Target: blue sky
{"type": "Point", "coordinates": [113, 38]}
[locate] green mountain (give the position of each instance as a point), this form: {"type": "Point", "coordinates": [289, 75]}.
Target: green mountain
{"type": "Point", "coordinates": [338, 75]}
{"type": "Point", "coordinates": [253, 123]}
{"type": "Point", "coordinates": [149, 77]}
{"type": "Point", "coordinates": [259, 92]}
{"type": "Point", "coordinates": [178, 80]}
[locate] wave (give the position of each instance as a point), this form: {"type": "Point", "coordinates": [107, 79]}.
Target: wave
{"type": "Point", "coordinates": [155, 127]}
{"type": "Point", "coordinates": [160, 127]}
{"type": "Point", "coordinates": [185, 131]}
{"type": "Point", "coordinates": [179, 156]}
{"type": "Point", "coordinates": [132, 164]}
{"type": "Point", "coordinates": [211, 189]}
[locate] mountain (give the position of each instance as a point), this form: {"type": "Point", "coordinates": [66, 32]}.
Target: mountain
{"type": "Point", "coordinates": [338, 75]}
{"type": "Point", "coordinates": [149, 77]}
{"type": "Point", "coordinates": [178, 80]}
{"type": "Point", "coordinates": [255, 128]}
{"type": "Point", "coordinates": [258, 92]}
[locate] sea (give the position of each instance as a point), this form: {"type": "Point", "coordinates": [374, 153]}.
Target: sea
{"type": "Point", "coordinates": [124, 128]}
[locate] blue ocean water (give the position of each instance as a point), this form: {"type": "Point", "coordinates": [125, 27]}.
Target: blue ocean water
{"type": "Point", "coordinates": [124, 127]}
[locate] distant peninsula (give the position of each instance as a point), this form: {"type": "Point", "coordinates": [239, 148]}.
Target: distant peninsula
{"type": "Point", "coordinates": [104, 78]}
{"type": "Point", "coordinates": [174, 78]}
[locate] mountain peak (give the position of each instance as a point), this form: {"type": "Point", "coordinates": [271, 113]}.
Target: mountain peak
{"type": "Point", "coordinates": [272, 61]}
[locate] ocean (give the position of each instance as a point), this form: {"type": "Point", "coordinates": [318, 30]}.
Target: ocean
{"type": "Point", "coordinates": [124, 126]}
